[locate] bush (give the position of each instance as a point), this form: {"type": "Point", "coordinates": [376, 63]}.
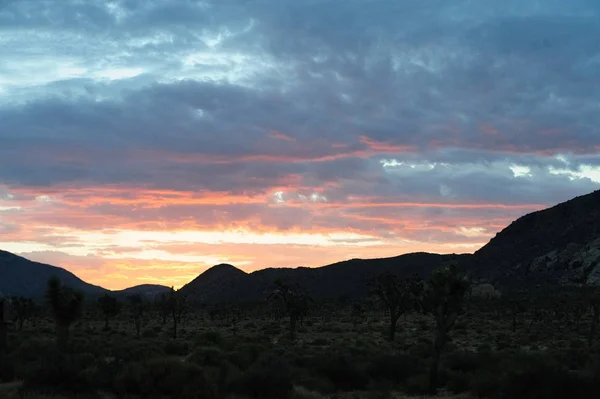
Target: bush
{"type": "Point", "coordinates": [209, 338]}
{"type": "Point", "coordinates": [208, 356]}
{"type": "Point", "coordinates": [549, 384]}
{"type": "Point", "coordinates": [396, 369]}
{"type": "Point", "coordinates": [168, 377]}
{"type": "Point", "coordinates": [458, 381]}
{"type": "Point", "coordinates": [343, 373]}
{"type": "Point", "coordinates": [138, 351]}
{"type": "Point", "coordinates": [58, 373]}
{"type": "Point", "coordinates": [417, 385]}
{"type": "Point", "coordinates": [466, 362]}
{"type": "Point", "coordinates": [246, 354]}
{"type": "Point", "coordinates": [269, 378]}
{"type": "Point", "coordinates": [177, 348]}
{"type": "Point", "coordinates": [30, 353]}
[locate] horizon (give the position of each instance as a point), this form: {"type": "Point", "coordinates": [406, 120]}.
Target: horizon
{"type": "Point", "coordinates": [143, 142]}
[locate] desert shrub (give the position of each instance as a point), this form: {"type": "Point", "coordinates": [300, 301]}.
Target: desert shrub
{"type": "Point", "coordinates": [320, 341]}
{"type": "Point", "coordinates": [458, 381]}
{"type": "Point", "coordinates": [7, 369]}
{"type": "Point", "coordinates": [56, 373]}
{"type": "Point", "coordinates": [247, 354]}
{"type": "Point", "coordinates": [465, 361]}
{"type": "Point", "coordinates": [272, 328]}
{"type": "Point", "coordinates": [168, 377]}
{"type": "Point", "coordinates": [344, 373]}
{"type": "Point", "coordinates": [269, 378]}
{"type": "Point", "coordinates": [209, 338]}
{"type": "Point", "coordinates": [573, 358]}
{"type": "Point", "coordinates": [549, 384]}
{"type": "Point", "coordinates": [394, 368]}
{"type": "Point", "coordinates": [207, 356]}
{"type": "Point", "coordinates": [138, 351]}
{"type": "Point", "coordinates": [150, 333]}
{"type": "Point", "coordinates": [176, 348]}
{"type": "Point", "coordinates": [417, 385]}
{"type": "Point", "coordinates": [30, 353]}
{"type": "Point", "coordinates": [485, 383]}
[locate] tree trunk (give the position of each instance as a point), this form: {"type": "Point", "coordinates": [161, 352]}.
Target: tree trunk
{"type": "Point", "coordinates": [3, 338]}
{"type": "Point", "coordinates": [106, 323]}
{"type": "Point", "coordinates": [174, 328]}
{"type": "Point", "coordinates": [438, 347]}
{"type": "Point", "coordinates": [393, 323]}
{"type": "Point", "coordinates": [138, 327]}
{"type": "Point", "coordinates": [62, 337]}
{"type": "Point", "coordinates": [595, 320]}
{"type": "Point", "coordinates": [293, 321]}
{"type": "Point", "coordinates": [21, 321]}
{"type": "Point", "coordinates": [514, 322]}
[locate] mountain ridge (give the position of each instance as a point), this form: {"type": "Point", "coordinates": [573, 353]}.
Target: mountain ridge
{"type": "Point", "coordinates": [557, 245]}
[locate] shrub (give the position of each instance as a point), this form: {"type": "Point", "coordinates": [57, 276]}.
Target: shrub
{"type": "Point", "coordinates": [209, 338]}
{"type": "Point", "coordinates": [458, 381]}
{"type": "Point", "coordinates": [269, 378]}
{"type": "Point", "coordinates": [207, 356]}
{"type": "Point", "coordinates": [168, 377]}
{"type": "Point", "coordinates": [246, 354]}
{"type": "Point", "coordinates": [394, 368]}
{"type": "Point", "coordinates": [465, 361]}
{"type": "Point", "coordinates": [343, 373]}
{"type": "Point", "coordinates": [57, 373]}
{"type": "Point", "coordinates": [417, 385]}
{"type": "Point", "coordinates": [138, 351]}
{"type": "Point", "coordinates": [177, 348]}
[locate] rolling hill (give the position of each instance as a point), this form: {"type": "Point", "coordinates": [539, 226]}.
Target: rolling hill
{"type": "Point", "coordinates": [20, 276]}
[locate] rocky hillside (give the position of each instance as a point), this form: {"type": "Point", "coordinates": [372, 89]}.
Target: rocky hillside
{"type": "Point", "coordinates": [556, 245]}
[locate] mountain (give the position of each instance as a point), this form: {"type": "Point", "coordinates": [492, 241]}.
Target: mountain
{"type": "Point", "coordinates": [225, 283]}
{"type": "Point", "coordinates": [145, 290]}
{"type": "Point", "coordinates": [558, 245]}
{"type": "Point", "coordinates": [20, 276]}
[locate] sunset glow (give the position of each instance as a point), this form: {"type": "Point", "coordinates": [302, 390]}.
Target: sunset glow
{"type": "Point", "coordinates": [143, 142]}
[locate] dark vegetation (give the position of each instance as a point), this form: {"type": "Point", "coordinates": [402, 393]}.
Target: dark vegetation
{"type": "Point", "coordinates": [411, 337]}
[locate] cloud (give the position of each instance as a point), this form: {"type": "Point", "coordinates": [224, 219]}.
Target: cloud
{"type": "Point", "coordinates": [432, 124]}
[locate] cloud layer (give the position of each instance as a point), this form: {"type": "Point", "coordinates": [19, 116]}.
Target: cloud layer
{"type": "Point", "coordinates": [280, 133]}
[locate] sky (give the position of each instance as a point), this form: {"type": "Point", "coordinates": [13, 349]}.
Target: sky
{"type": "Point", "coordinates": [143, 141]}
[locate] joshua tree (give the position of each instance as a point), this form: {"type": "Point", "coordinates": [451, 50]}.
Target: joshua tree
{"type": "Point", "coordinates": [398, 295]}
{"type": "Point", "coordinates": [163, 306]}
{"type": "Point", "coordinates": [65, 304]}
{"type": "Point", "coordinates": [137, 311]}
{"type": "Point", "coordinates": [444, 299]}
{"type": "Point", "coordinates": [295, 301]}
{"type": "Point", "coordinates": [177, 307]}
{"type": "Point", "coordinates": [110, 307]}
{"type": "Point", "coordinates": [24, 309]}
{"type": "Point", "coordinates": [4, 320]}
{"type": "Point", "coordinates": [593, 296]}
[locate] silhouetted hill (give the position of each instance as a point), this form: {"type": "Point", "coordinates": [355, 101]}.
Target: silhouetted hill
{"type": "Point", "coordinates": [20, 276]}
{"type": "Point", "coordinates": [145, 290]}
{"type": "Point", "coordinates": [556, 245]}
{"type": "Point", "coordinates": [225, 283]}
